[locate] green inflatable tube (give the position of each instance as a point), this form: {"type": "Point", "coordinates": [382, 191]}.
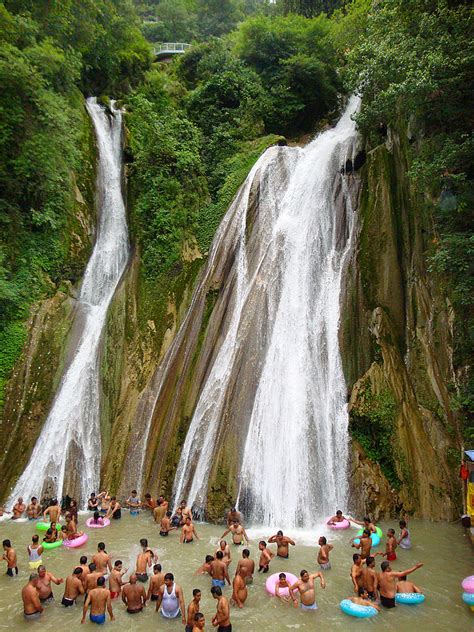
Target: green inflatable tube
{"type": "Point", "coordinates": [51, 545]}
{"type": "Point", "coordinates": [378, 531]}
{"type": "Point", "coordinates": [44, 526]}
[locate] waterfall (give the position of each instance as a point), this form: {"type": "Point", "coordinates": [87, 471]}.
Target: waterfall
{"type": "Point", "coordinates": [66, 457]}
{"type": "Point", "coordinates": [294, 453]}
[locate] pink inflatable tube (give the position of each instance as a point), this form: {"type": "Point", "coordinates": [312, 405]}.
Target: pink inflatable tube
{"type": "Point", "coordinates": [104, 522]}
{"type": "Point", "coordinates": [73, 544]}
{"type": "Point", "coordinates": [345, 524]}
{"type": "Point", "coordinates": [273, 580]}
{"type": "Point", "coordinates": [468, 584]}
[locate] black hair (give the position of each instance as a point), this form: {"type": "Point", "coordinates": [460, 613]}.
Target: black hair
{"type": "Point", "coordinates": [403, 579]}
{"type": "Point", "coordinates": [280, 532]}
{"type": "Point", "coordinates": [369, 560]}
{"type": "Point", "coordinates": [198, 616]}
{"type": "Point", "coordinates": [35, 538]}
{"type": "Point", "coordinates": [7, 543]}
{"type": "Point", "coordinates": [338, 512]}
{"type": "Point", "coordinates": [101, 581]}
{"type": "Point", "coordinates": [303, 572]}
{"type": "Point", "coordinates": [323, 539]}
{"type": "Point", "coordinates": [355, 557]}
{"type": "Point", "coordinates": [169, 513]}
{"type": "Point", "coordinates": [101, 546]}
{"type": "Point", "coordinates": [384, 565]}
{"type": "Point", "coordinates": [391, 531]}
{"type": "Point", "coordinates": [157, 567]}
{"type": "Point", "coordinates": [216, 590]}
{"type": "Point", "coordinates": [92, 567]}
{"type": "Point", "coordinates": [196, 591]}
{"type": "Point", "coordinates": [77, 571]}
{"type": "Point", "coordinates": [209, 559]}
{"type": "Point", "coordinates": [219, 555]}
{"type": "Point", "coordinates": [118, 562]}
{"type": "Point", "coordinates": [366, 519]}
{"type": "Point", "coordinates": [282, 576]}
{"type": "Point", "coordinates": [143, 542]}
{"type": "Point", "coordinates": [367, 532]}
{"type": "Point", "coordinates": [246, 553]}
{"type": "Point", "coordinates": [83, 559]}
{"type": "Point", "coordinates": [169, 576]}
{"type": "Point", "coordinates": [134, 491]}
{"type": "Point", "coordinates": [262, 542]}
{"type": "Point", "coordinates": [96, 515]}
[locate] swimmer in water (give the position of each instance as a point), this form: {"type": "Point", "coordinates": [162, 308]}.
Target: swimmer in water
{"type": "Point", "coordinates": [171, 600]}
{"type": "Point", "coordinates": [221, 619]}
{"type": "Point", "coordinates": [102, 560]}
{"type": "Point", "coordinates": [156, 582]}
{"type": "Point", "coordinates": [363, 600]}
{"type": "Point", "coordinates": [390, 546]}
{"type": "Point", "coordinates": [367, 524]}
{"type": "Point", "coordinates": [305, 587]}
{"type": "Point", "coordinates": [224, 547]}
{"type": "Point", "coordinates": [337, 518]}
{"type": "Point", "coordinates": [45, 578]}
{"type": "Point", "coordinates": [205, 569]}
{"type": "Point", "coordinates": [365, 544]}
{"type": "Point", "coordinates": [33, 510]}
{"type": "Point", "coordinates": [238, 533]}
{"type": "Point", "coordinates": [283, 544]}
{"type": "Point", "coordinates": [239, 592]}
{"type": "Point", "coordinates": [404, 586]}
{"type": "Point", "coordinates": [73, 588]}
{"type": "Point", "coordinates": [234, 516]}
{"type": "Point", "coordinates": [404, 540]}
{"type": "Point", "coordinates": [133, 595]}
{"type": "Point", "coordinates": [53, 512]}
{"type": "Point", "coordinates": [199, 622]}
{"type": "Point", "coordinates": [133, 502]}
{"type": "Point", "coordinates": [19, 509]}
{"type": "Point", "coordinates": [10, 558]}
{"type": "Point", "coordinates": [34, 550]}
{"type": "Point", "coordinates": [323, 554]}
{"type": "Point", "coordinates": [281, 584]}
{"type": "Point", "coordinates": [166, 526]}
{"type": "Point", "coordinates": [218, 571]}
{"type": "Point", "coordinates": [116, 579]}
{"type": "Point", "coordinates": [193, 609]}
{"type": "Point", "coordinates": [98, 600]}
{"type": "Point", "coordinates": [245, 567]}
{"type": "Point", "coordinates": [387, 583]}
{"type": "Point", "coordinates": [188, 532]}
{"type": "Point", "coordinates": [368, 579]}
{"type": "Point", "coordinates": [115, 510]}
{"type": "Point", "coordinates": [145, 560]}
{"type": "Point", "coordinates": [32, 607]}
{"type": "Point", "coordinates": [356, 572]}
{"type": "Point", "coordinates": [265, 557]}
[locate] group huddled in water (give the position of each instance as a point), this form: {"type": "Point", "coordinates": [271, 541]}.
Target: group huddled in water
{"type": "Point", "coordinates": [90, 580]}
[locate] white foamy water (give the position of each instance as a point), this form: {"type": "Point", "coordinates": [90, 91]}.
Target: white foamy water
{"type": "Point", "coordinates": [69, 445]}
{"type": "Point", "coordinates": [294, 460]}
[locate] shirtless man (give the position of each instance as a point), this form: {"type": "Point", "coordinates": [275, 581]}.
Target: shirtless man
{"type": "Point", "coordinates": [205, 569]}
{"type": "Point", "coordinates": [356, 572]}
{"type": "Point", "coordinates": [388, 585]}
{"type": "Point", "coordinates": [92, 578]}
{"type": "Point", "coordinates": [19, 509]}
{"type": "Point", "coordinates": [239, 592]}
{"type": "Point", "coordinates": [305, 586]}
{"type": "Point", "coordinates": [199, 622]}
{"type": "Point", "coordinates": [323, 554]}
{"type": "Point", "coordinates": [283, 544]}
{"type": "Point", "coordinates": [238, 533]}
{"type": "Point", "coordinates": [115, 579]}
{"type": "Point", "coordinates": [337, 518]}
{"type": "Point", "coordinates": [363, 600]}
{"type": "Point", "coordinates": [366, 523]}
{"type": "Point", "coordinates": [144, 561]}
{"type": "Point", "coordinates": [102, 559]}
{"type": "Point", "coordinates": [171, 600]}
{"type": "Point", "coordinates": [74, 587]}
{"type": "Point", "coordinates": [265, 557]}
{"type": "Point", "coordinates": [234, 516]}
{"type": "Point", "coordinates": [133, 503]}
{"type": "Point", "coordinates": [115, 509]}
{"type": "Point", "coordinates": [35, 551]}
{"type": "Point", "coordinates": [218, 571]}
{"type": "Point", "coordinates": [33, 510]}
{"type": "Point", "coordinates": [221, 620]}
{"type": "Point", "coordinates": [225, 548]}
{"type": "Point", "coordinates": [45, 578]}
{"type": "Point", "coordinates": [368, 579]}
{"type": "Point", "coordinates": [133, 595]}
{"type": "Point", "coordinates": [149, 503]}
{"type": "Point", "coordinates": [281, 584]}
{"type": "Point", "coordinates": [32, 607]}
{"type": "Point", "coordinates": [185, 511]}
{"type": "Point", "coordinates": [98, 599]}
{"type": "Point", "coordinates": [404, 586]}
{"type": "Point", "coordinates": [10, 557]}
{"type": "Point", "coordinates": [193, 609]}
{"type": "Point", "coordinates": [156, 582]}
{"type": "Point", "coordinates": [390, 546]}
{"type": "Point", "coordinates": [85, 569]}
{"type": "Point", "coordinates": [188, 531]}
{"type": "Point", "coordinates": [165, 524]}
{"type": "Point", "coordinates": [71, 528]}
{"type": "Point", "coordinates": [245, 567]}
{"type": "Point", "coordinates": [365, 544]}
{"type": "Point", "coordinates": [53, 512]}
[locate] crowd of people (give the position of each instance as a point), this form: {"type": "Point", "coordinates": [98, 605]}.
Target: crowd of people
{"type": "Point", "coordinates": [101, 580]}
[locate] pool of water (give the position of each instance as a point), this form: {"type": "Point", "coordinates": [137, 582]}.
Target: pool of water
{"type": "Point", "coordinates": [445, 551]}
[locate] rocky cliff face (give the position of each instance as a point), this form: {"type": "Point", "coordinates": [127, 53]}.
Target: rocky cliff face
{"type": "Point", "coordinates": [396, 341]}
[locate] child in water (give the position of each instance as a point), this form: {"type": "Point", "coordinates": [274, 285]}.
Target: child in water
{"type": "Point", "coordinates": [280, 585]}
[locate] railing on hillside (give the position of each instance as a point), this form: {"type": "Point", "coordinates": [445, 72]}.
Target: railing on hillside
{"type": "Point", "coordinates": [170, 48]}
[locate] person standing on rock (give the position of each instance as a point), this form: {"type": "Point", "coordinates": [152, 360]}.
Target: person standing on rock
{"type": "Point", "coordinates": [283, 544]}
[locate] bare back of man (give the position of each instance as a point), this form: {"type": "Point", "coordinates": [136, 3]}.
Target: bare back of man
{"type": "Point", "coordinates": [239, 591]}
{"type": "Point", "coordinates": [133, 596]}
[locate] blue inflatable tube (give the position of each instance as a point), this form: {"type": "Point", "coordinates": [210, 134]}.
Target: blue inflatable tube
{"type": "Point", "coordinates": [468, 598]}
{"type": "Point", "coordinates": [354, 610]}
{"type": "Point", "coordinates": [373, 536]}
{"type": "Point", "coordinates": [411, 599]}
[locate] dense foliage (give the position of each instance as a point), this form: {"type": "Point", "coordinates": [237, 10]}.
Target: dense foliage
{"type": "Point", "coordinates": [415, 68]}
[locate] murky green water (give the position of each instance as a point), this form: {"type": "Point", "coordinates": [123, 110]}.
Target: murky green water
{"type": "Point", "coordinates": [444, 549]}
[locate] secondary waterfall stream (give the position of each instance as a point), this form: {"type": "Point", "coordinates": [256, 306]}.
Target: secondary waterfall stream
{"type": "Point", "coordinates": [294, 456]}
{"type": "Point", "coordinates": [66, 457]}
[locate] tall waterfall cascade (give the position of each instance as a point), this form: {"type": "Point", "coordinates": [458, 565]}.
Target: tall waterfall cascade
{"type": "Point", "coordinates": [66, 457]}
{"type": "Point", "coordinates": [294, 454]}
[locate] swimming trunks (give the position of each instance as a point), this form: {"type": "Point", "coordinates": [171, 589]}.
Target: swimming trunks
{"type": "Point", "coordinates": [371, 595]}
{"type": "Point", "coordinates": [326, 566]}
{"type": "Point", "coordinates": [188, 541]}
{"type": "Point", "coordinates": [283, 557]}
{"type": "Point", "coordinates": [97, 618]}
{"type": "Point", "coordinates": [68, 602]}
{"type": "Point", "coordinates": [164, 533]}
{"type": "Point", "coordinates": [134, 611]}
{"type": "Point", "coordinates": [113, 594]}
{"type": "Point", "coordinates": [238, 543]}
{"type": "Point", "coordinates": [10, 571]}
{"type": "Point", "coordinates": [313, 606]}
{"type": "Point", "coordinates": [225, 628]}
{"type": "Point", "coordinates": [248, 580]}
{"type": "Point", "coordinates": [48, 599]}
{"type": "Point", "coordinates": [154, 598]}
{"type": "Point", "coordinates": [361, 591]}
{"type": "Point", "coordinates": [32, 615]}
{"type": "Point", "coordinates": [391, 557]}
{"type": "Point", "coordinates": [134, 512]}
{"type": "Point", "coordinates": [34, 565]}
{"type": "Point", "coordinates": [188, 628]}
{"type": "Point", "coordinates": [218, 582]}
{"type": "Point", "coordinates": [387, 602]}
{"type": "Point", "coordinates": [142, 577]}
{"type": "Point", "coordinates": [117, 515]}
